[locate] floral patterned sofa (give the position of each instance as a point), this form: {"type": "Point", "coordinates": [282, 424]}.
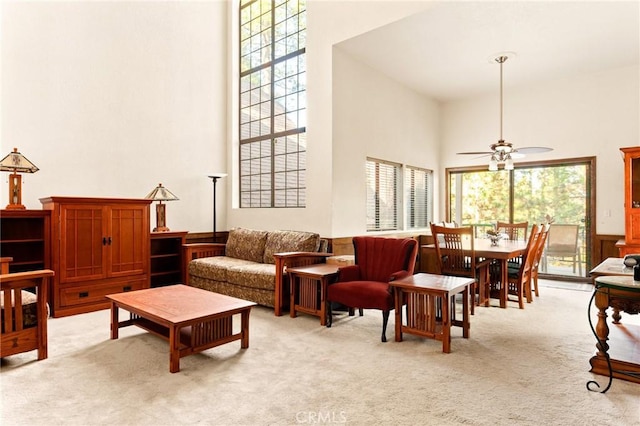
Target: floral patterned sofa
{"type": "Point", "coordinates": [252, 264]}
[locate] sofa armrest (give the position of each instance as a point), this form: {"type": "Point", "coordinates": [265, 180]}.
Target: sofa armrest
{"type": "Point", "coordinates": [290, 259]}
{"type": "Point", "coordinates": [196, 251]}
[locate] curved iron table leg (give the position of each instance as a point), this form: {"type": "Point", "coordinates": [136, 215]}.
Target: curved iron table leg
{"type": "Point", "coordinates": [602, 345]}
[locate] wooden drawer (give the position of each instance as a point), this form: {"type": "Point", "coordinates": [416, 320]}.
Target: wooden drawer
{"type": "Point", "coordinates": [92, 294]}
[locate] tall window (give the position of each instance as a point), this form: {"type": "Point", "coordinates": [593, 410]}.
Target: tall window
{"type": "Point", "coordinates": [418, 185]}
{"type": "Point", "coordinates": [383, 183]}
{"type": "Point", "coordinates": [272, 103]}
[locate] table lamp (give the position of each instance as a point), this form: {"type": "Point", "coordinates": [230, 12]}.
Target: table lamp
{"type": "Point", "coordinates": [15, 162]}
{"type": "Point", "coordinates": [160, 194]}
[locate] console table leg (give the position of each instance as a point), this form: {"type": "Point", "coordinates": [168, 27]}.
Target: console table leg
{"type": "Point", "coordinates": [602, 329]}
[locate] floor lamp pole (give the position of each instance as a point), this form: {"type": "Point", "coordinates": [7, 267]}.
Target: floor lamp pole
{"type": "Point", "coordinates": [215, 178]}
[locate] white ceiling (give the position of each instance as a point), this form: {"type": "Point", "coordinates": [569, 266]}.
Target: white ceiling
{"type": "Point", "coordinates": [447, 51]}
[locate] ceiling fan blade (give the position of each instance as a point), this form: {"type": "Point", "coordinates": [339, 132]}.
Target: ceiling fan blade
{"type": "Point", "coordinates": [475, 153]}
{"type": "Point", "coordinates": [533, 150]}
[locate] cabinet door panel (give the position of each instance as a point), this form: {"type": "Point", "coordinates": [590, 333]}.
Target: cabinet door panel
{"type": "Point", "coordinates": [632, 194]}
{"type": "Point", "coordinates": [82, 243]}
{"type": "Point", "coordinates": [129, 248]}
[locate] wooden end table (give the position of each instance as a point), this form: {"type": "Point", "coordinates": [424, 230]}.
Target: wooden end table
{"type": "Point", "coordinates": [428, 299]}
{"type": "Point", "coordinates": [191, 319]}
{"type": "Point", "coordinates": [309, 289]}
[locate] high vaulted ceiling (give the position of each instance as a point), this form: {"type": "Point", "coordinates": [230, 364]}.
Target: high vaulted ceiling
{"type": "Point", "coordinates": [447, 51]}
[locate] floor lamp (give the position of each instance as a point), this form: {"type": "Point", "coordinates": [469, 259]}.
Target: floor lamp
{"type": "Point", "coordinates": [214, 177]}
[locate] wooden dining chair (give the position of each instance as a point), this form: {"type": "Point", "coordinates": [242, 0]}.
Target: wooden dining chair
{"type": "Point", "coordinates": [544, 233]}
{"type": "Point", "coordinates": [514, 231]}
{"type": "Point", "coordinates": [520, 279]}
{"type": "Point", "coordinates": [456, 256]}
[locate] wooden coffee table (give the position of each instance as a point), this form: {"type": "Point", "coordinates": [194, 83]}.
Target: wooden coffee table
{"type": "Point", "coordinates": [191, 319]}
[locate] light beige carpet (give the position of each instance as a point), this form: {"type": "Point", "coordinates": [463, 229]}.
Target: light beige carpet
{"type": "Point", "coordinates": [520, 367]}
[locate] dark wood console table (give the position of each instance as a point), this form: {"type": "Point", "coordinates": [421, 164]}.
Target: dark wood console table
{"type": "Point", "coordinates": [621, 293]}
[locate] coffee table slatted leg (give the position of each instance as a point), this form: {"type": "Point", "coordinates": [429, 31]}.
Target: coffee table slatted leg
{"type": "Point", "coordinates": [244, 325]}
{"type": "Point", "coordinates": [114, 320]}
{"type": "Point", "coordinates": [174, 355]}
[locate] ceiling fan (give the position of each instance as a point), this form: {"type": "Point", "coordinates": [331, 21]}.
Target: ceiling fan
{"type": "Point", "coordinates": [503, 152]}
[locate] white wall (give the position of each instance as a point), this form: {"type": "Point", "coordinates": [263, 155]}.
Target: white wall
{"type": "Point", "coordinates": [110, 98]}
{"type": "Point", "coordinates": [588, 115]}
{"type": "Point", "coordinates": [374, 116]}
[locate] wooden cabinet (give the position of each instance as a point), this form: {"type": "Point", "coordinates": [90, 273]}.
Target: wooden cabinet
{"type": "Point", "coordinates": [25, 236]}
{"type": "Point", "coordinates": [100, 246]}
{"type": "Point", "coordinates": [631, 242]}
{"type": "Point", "coordinates": [166, 258]}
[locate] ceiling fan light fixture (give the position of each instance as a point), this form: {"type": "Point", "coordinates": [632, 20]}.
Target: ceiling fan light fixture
{"type": "Point", "coordinates": [508, 163]}
{"type": "Point", "coordinates": [493, 164]}
{"type": "Point", "coordinates": [503, 152]}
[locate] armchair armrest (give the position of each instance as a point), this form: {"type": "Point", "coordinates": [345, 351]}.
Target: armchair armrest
{"type": "Point", "coordinates": [398, 275]}
{"type": "Point", "coordinates": [290, 259]}
{"type": "Point", "coordinates": [196, 251]}
{"type": "Point", "coordinates": [16, 338]}
{"type": "Point", "coordinates": [348, 273]}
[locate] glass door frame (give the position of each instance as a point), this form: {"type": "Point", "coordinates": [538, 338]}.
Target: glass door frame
{"type": "Point", "coordinates": [590, 202]}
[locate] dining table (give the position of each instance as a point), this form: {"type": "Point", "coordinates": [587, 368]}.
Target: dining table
{"type": "Point", "coordinates": [501, 253]}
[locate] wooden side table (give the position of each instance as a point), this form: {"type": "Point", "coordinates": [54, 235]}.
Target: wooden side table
{"type": "Point", "coordinates": [309, 289]}
{"type": "Point", "coordinates": [429, 299]}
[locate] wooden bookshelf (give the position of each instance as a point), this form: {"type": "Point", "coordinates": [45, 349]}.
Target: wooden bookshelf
{"type": "Point", "coordinates": [25, 236]}
{"type": "Point", "coordinates": [166, 258]}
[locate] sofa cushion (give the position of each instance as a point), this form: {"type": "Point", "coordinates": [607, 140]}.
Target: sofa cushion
{"type": "Point", "coordinates": [29, 309]}
{"type": "Point", "coordinates": [253, 275]}
{"type": "Point", "coordinates": [286, 241]}
{"type": "Point", "coordinates": [247, 244]}
{"type": "Point", "coordinates": [215, 268]}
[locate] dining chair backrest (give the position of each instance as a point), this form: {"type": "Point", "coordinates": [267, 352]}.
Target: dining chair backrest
{"type": "Point", "coordinates": [544, 233]}
{"type": "Point", "coordinates": [563, 240]}
{"type": "Point", "coordinates": [514, 231]}
{"type": "Point", "coordinates": [455, 250]}
{"type": "Point", "coordinates": [520, 282]}
{"type": "Point", "coordinates": [530, 253]}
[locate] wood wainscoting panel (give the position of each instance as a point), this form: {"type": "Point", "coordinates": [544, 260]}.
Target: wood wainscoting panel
{"type": "Point", "coordinates": [604, 246]}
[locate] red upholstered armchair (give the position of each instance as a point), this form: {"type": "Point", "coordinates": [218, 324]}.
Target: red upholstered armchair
{"type": "Point", "coordinates": [365, 285]}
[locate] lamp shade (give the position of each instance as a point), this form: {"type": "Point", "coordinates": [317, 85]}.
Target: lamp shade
{"type": "Point", "coordinates": [160, 193]}
{"type": "Point", "coordinates": [16, 162]}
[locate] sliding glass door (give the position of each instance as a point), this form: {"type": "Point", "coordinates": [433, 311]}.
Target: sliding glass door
{"type": "Point", "coordinates": [557, 191]}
